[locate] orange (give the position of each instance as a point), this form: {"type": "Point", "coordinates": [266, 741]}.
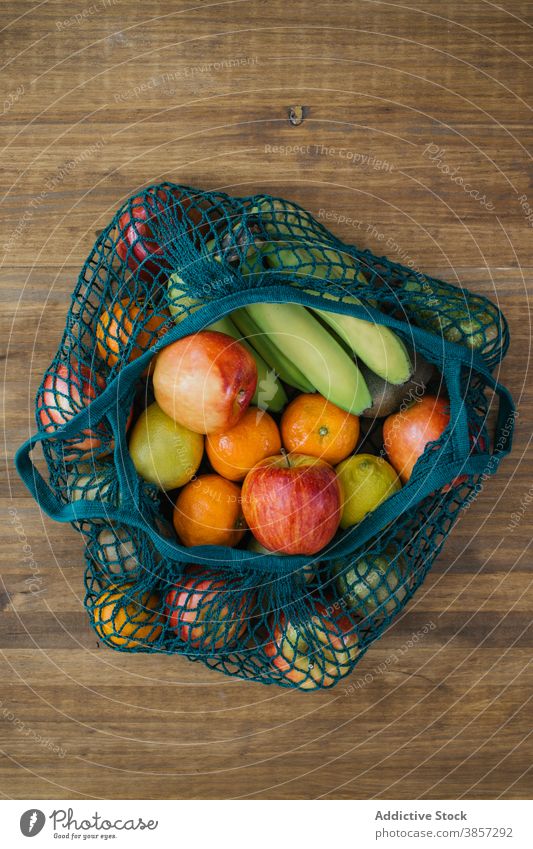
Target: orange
{"type": "Point", "coordinates": [119, 617]}
{"type": "Point", "coordinates": [312, 425]}
{"type": "Point", "coordinates": [234, 452]}
{"type": "Point", "coordinates": [209, 512]}
{"type": "Point", "coordinates": [115, 327]}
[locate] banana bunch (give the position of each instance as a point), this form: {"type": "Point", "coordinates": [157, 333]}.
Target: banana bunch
{"type": "Point", "coordinates": [376, 346]}
{"type": "Point", "coordinates": [299, 343]}
{"type": "Point", "coordinates": [310, 350]}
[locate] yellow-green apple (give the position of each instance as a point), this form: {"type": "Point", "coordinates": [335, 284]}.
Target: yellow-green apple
{"type": "Point", "coordinates": [205, 382]}
{"type": "Point", "coordinates": [313, 653]}
{"type": "Point", "coordinates": [207, 609]}
{"type": "Point", "coordinates": [164, 452]}
{"type": "Point", "coordinates": [370, 585]}
{"type": "Point", "coordinates": [292, 503]}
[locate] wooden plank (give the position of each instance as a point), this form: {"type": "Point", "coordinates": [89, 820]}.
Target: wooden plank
{"type": "Point", "coordinates": [394, 98]}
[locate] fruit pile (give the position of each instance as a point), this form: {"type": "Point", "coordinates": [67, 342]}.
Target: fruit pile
{"type": "Point", "coordinates": [254, 480]}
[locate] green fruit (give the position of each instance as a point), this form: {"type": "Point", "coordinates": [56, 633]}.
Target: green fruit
{"type": "Point", "coordinates": [164, 452]}
{"type": "Point", "coordinates": [377, 346]}
{"type": "Point", "coordinates": [180, 304]}
{"type": "Point", "coordinates": [275, 358]}
{"type": "Point", "coordinates": [370, 586]}
{"type": "Point", "coordinates": [465, 318]}
{"type": "Point", "coordinates": [282, 218]}
{"type": "Point", "coordinates": [317, 261]}
{"type": "Point", "coordinates": [314, 352]}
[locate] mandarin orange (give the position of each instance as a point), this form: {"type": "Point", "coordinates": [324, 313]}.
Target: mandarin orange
{"type": "Point", "coordinates": [234, 452]}
{"type": "Point", "coordinates": [208, 511]}
{"type": "Point", "coordinates": [312, 425]}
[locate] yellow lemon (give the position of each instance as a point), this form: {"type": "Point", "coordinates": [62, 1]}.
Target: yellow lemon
{"type": "Point", "coordinates": [366, 482]}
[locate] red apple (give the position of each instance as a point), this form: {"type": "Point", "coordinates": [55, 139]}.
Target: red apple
{"type": "Point", "coordinates": [207, 610]}
{"type": "Point", "coordinates": [65, 393]}
{"type": "Point", "coordinates": [292, 503]}
{"type": "Point", "coordinates": [205, 382]}
{"type": "Point", "coordinates": [136, 243]}
{"type": "Point", "coordinates": [314, 653]}
{"type": "Point", "coordinates": [407, 432]}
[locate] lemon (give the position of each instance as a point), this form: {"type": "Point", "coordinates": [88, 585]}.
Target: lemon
{"type": "Point", "coordinates": [366, 482]}
{"type": "Point", "coordinates": [163, 451]}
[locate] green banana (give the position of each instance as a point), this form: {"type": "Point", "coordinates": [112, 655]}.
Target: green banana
{"type": "Point", "coordinates": [323, 263]}
{"type": "Point", "coordinates": [377, 346]}
{"type": "Point", "coordinates": [307, 344]}
{"type": "Point", "coordinates": [275, 358]}
{"type": "Point", "coordinates": [282, 218]}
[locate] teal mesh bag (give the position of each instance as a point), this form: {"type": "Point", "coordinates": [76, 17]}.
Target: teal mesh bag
{"type": "Point", "coordinates": [295, 621]}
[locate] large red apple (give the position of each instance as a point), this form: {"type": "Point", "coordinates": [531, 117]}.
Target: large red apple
{"type": "Point", "coordinates": [207, 610]}
{"type": "Point", "coordinates": [205, 382]}
{"type": "Point", "coordinates": [292, 503]}
{"type": "Point", "coordinates": [314, 653]}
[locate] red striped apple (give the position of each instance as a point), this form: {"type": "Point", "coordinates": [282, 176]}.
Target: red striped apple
{"type": "Point", "coordinates": [137, 245]}
{"type": "Point", "coordinates": [205, 382]}
{"type": "Point", "coordinates": [314, 653]}
{"type": "Point", "coordinates": [292, 503]}
{"type": "Point", "coordinates": [64, 393]}
{"type": "Point", "coordinates": [207, 609]}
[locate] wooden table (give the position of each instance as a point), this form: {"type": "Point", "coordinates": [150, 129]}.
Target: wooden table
{"type": "Point", "coordinates": [390, 104]}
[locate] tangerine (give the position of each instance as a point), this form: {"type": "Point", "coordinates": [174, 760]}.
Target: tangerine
{"type": "Point", "coordinates": [116, 326]}
{"type": "Point", "coordinates": [234, 452]}
{"type": "Point", "coordinates": [314, 426]}
{"type": "Point", "coordinates": [208, 511]}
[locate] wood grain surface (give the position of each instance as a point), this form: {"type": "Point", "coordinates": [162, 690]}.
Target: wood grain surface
{"type": "Point", "coordinates": [127, 94]}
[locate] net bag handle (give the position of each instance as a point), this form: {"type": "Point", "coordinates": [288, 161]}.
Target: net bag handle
{"type": "Point", "coordinates": [111, 403]}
